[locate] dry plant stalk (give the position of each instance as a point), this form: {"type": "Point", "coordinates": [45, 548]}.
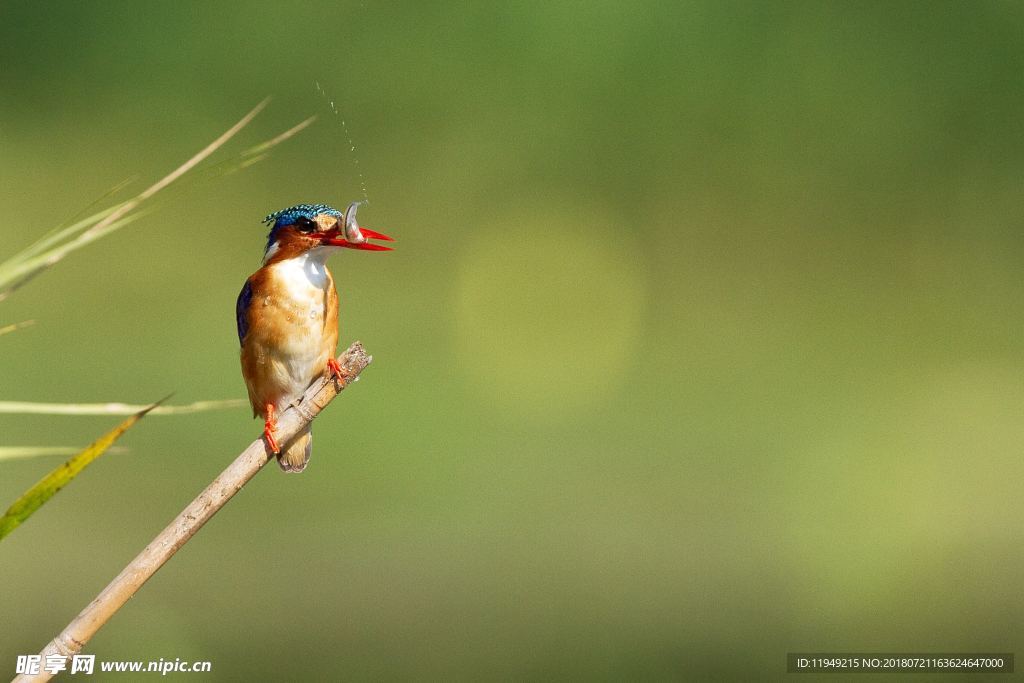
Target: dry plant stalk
{"type": "Point", "coordinates": [34, 408]}
{"type": "Point", "coordinates": [24, 272]}
{"type": "Point", "coordinates": [73, 638]}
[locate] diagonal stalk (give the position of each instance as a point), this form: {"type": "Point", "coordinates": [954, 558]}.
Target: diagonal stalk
{"type": "Point", "coordinates": [83, 627]}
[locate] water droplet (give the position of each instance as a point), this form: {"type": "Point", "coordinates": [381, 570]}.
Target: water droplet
{"type": "Point", "coordinates": [348, 135]}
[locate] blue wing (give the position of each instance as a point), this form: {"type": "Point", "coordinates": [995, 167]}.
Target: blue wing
{"type": "Point", "coordinates": [242, 310]}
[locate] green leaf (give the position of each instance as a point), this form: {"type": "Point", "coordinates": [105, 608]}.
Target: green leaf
{"type": "Point", "coordinates": [45, 489]}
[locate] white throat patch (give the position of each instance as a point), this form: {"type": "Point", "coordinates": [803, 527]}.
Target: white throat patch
{"type": "Point", "coordinates": [305, 272]}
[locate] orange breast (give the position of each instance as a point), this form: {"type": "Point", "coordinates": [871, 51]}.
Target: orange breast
{"type": "Point", "coordinates": [292, 331]}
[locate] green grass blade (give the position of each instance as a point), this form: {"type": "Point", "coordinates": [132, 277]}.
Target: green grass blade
{"type": "Point", "coordinates": [17, 271]}
{"type": "Point", "coordinates": [274, 142]}
{"type": "Point", "coordinates": [62, 234]}
{"type": "Point", "coordinates": [59, 242]}
{"type": "Point", "coordinates": [53, 482]}
{"type": "Point", "coordinates": [226, 167]}
{"type": "Point", "coordinates": [91, 206]}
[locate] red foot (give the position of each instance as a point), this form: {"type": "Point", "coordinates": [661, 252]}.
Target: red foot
{"type": "Point", "coordinates": [335, 369]}
{"type": "Point", "coordinates": [269, 427]}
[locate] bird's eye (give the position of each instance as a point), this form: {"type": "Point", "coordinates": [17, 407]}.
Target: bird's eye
{"type": "Point", "coordinates": [303, 224]}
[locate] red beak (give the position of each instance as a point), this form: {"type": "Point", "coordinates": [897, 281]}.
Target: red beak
{"type": "Point", "coordinates": [336, 239]}
{"type": "Point", "coordinates": [350, 235]}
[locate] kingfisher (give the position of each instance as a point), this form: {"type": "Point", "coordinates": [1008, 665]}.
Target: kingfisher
{"type": "Point", "coordinates": [287, 315]}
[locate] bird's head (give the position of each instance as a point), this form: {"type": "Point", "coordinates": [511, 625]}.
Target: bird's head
{"type": "Point", "coordinates": [303, 227]}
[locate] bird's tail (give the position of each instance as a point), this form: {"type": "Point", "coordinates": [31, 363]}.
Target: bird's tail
{"type": "Point", "coordinates": [295, 457]}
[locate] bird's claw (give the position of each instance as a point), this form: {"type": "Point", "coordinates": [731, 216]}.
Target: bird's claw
{"type": "Point", "coordinates": [268, 434]}
{"type": "Point", "coordinates": [269, 427]}
{"type": "Point", "coordinates": [335, 371]}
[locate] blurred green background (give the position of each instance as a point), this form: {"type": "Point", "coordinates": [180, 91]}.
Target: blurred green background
{"type": "Point", "coordinates": [701, 343]}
